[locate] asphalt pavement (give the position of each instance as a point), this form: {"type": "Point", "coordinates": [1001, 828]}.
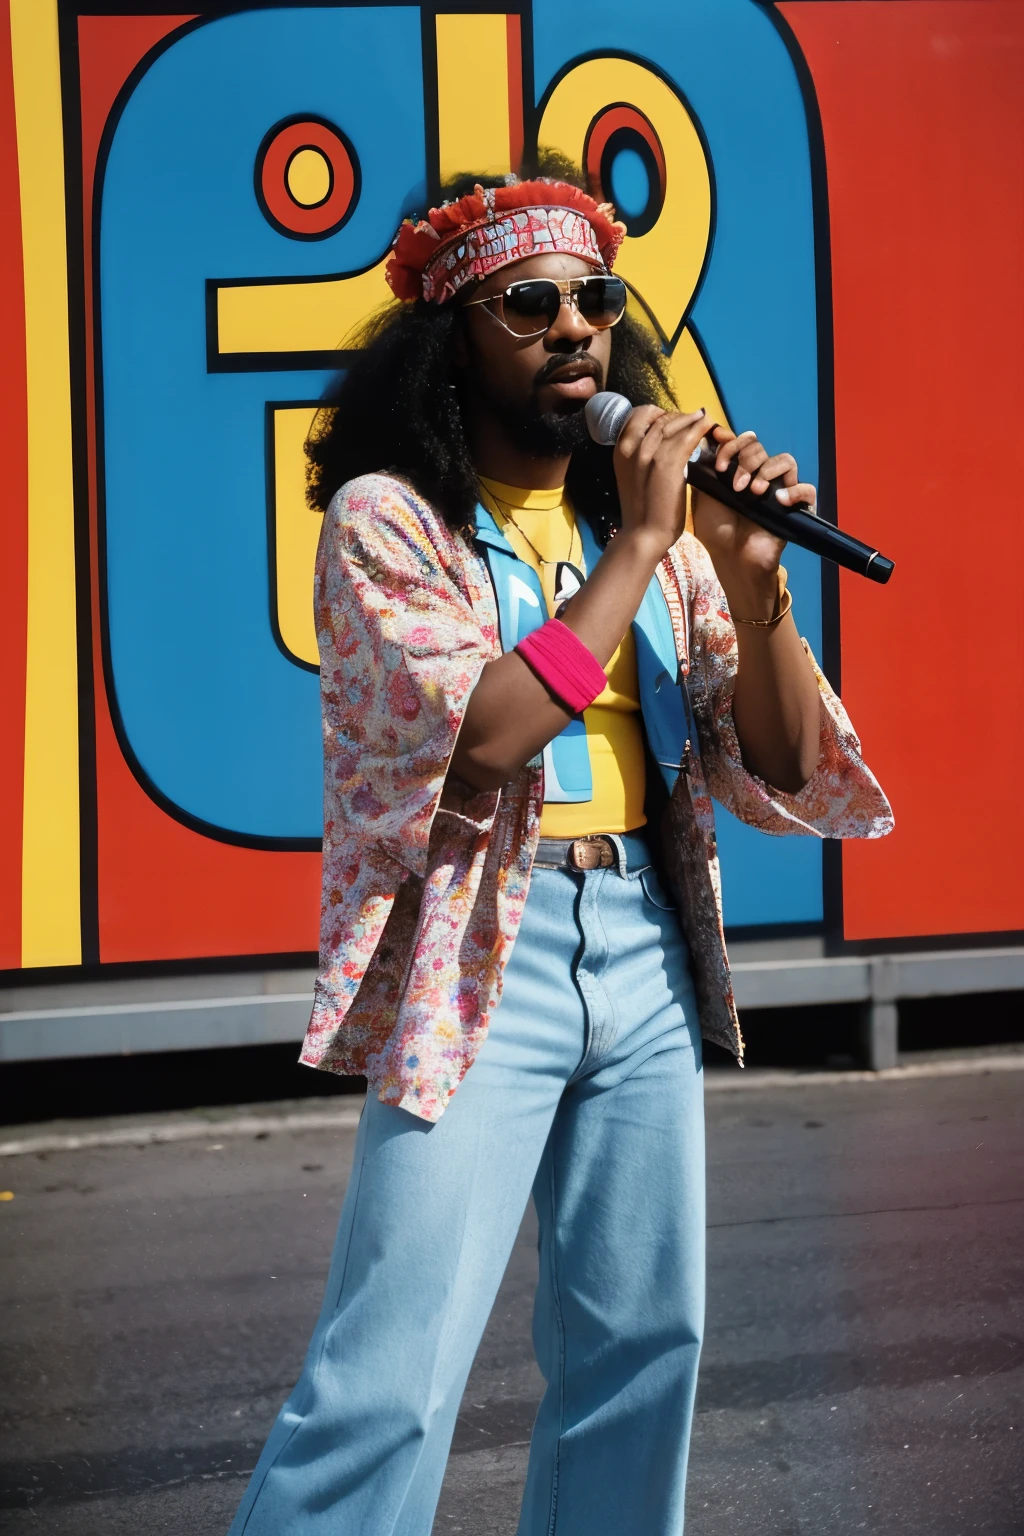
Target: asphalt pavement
{"type": "Point", "coordinates": [863, 1367]}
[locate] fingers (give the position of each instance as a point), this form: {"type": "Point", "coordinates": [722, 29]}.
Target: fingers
{"type": "Point", "coordinates": [781, 466]}
{"type": "Point", "coordinates": [676, 422]}
{"type": "Point", "coordinates": [650, 469]}
{"type": "Point", "coordinates": [754, 466]}
{"type": "Point", "coordinates": [647, 433]}
{"type": "Point", "coordinates": [793, 495]}
{"type": "Point", "coordinates": [672, 439]}
{"type": "Point", "coordinates": [633, 433]}
{"type": "Point", "coordinates": [729, 449]}
{"type": "Point", "coordinates": [631, 470]}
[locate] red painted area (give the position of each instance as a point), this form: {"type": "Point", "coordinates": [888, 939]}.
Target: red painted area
{"type": "Point", "coordinates": [923, 113]}
{"type": "Point", "coordinates": [601, 130]}
{"type": "Point", "coordinates": [109, 48]}
{"type": "Point", "coordinates": [165, 892]}
{"type": "Point", "coordinates": [14, 545]}
{"type": "Point", "coordinates": [274, 178]}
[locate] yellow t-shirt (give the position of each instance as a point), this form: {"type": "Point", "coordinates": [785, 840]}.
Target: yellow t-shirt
{"type": "Point", "coordinates": [542, 530]}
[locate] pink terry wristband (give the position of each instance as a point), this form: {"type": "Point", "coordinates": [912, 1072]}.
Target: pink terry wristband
{"type": "Point", "coordinates": [564, 664]}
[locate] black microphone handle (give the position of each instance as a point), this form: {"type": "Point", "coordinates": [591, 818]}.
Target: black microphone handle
{"type": "Point", "coordinates": [797, 525]}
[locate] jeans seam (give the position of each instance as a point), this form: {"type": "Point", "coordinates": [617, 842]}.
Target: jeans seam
{"type": "Point", "coordinates": [578, 983]}
{"type": "Point", "coordinates": [557, 1301]}
{"type": "Point", "coordinates": [609, 1030]}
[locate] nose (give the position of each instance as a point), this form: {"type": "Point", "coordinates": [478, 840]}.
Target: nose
{"type": "Point", "coordinates": [569, 332]}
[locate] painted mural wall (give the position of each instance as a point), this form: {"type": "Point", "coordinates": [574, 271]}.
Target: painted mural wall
{"type": "Point", "coordinates": [825, 228]}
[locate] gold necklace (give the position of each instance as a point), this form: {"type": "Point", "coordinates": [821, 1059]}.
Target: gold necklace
{"type": "Point", "coordinates": [505, 511]}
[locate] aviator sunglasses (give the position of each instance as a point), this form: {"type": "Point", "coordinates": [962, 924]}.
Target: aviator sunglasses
{"type": "Point", "coordinates": [530, 307]}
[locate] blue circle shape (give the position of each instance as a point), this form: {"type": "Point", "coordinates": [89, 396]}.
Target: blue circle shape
{"type": "Point", "coordinates": [630, 184]}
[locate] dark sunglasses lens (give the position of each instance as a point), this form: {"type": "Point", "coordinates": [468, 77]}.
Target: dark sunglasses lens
{"type": "Point", "coordinates": [602, 300]}
{"type": "Point", "coordinates": [530, 306]}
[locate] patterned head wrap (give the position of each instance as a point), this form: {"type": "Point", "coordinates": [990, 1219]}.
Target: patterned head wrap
{"type": "Point", "coordinates": [493, 226]}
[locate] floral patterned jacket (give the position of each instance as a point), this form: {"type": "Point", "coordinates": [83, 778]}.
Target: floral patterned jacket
{"type": "Point", "coordinates": [424, 878]}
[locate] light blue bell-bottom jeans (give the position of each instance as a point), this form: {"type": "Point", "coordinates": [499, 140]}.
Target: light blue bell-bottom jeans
{"type": "Point", "coordinates": [588, 1090]}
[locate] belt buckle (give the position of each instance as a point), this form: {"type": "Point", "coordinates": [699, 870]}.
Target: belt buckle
{"type": "Point", "coordinates": [591, 853]}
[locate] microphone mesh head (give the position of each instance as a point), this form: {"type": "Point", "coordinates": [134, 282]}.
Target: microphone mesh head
{"type": "Point", "coordinates": [607, 414]}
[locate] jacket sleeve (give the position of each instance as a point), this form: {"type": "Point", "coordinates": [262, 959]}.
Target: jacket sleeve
{"type": "Point", "coordinates": [842, 798]}
{"type": "Point", "coordinates": [401, 650]}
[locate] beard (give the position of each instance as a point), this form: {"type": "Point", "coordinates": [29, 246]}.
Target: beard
{"type": "Point", "coordinates": [540, 434]}
{"type": "Point", "coordinates": [545, 434]}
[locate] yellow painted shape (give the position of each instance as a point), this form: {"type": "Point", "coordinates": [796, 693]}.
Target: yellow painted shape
{"type": "Point", "coordinates": [309, 177]}
{"type": "Point", "coordinates": [472, 95]}
{"type": "Point", "coordinates": [297, 530]}
{"type": "Point", "coordinates": [694, 387]}
{"type": "Point", "coordinates": [664, 265]}
{"type": "Point", "coordinates": [690, 375]}
{"type": "Point", "coordinates": [692, 380]}
{"type": "Point", "coordinates": [51, 912]}
{"type": "Point", "coordinates": [299, 316]}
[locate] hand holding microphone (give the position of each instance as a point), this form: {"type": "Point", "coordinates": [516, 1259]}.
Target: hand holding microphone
{"type": "Point", "coordinates": [611, 420]}
{"type": "Point", "coordinates": [652, 449]}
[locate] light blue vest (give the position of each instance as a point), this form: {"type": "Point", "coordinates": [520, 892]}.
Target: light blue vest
{"type": "Point", "coordinates": [664, 704]}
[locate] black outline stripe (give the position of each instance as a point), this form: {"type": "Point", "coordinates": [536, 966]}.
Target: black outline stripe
{"type": "Point", "coordinates": [203, 14]}
{"type": "Point", "coordinates": [526, 74]}
{"type": "Point", "coordinates": [705, 357]}
{"type": "Point", "coordinates": [88, 813]}
{"type": "Point", "coordinates": [431, 126]}
{"type": "Point", "coordinates": [831, 631]}
{"type": "Point", "coordinates": [270, 458]}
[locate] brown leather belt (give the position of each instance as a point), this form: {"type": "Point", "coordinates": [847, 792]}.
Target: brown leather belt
{"type": "Point", "coordinates": [594, 852]}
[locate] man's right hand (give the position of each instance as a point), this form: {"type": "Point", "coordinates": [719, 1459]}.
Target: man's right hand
{"type": "Point", "coordinates": [650, 469]}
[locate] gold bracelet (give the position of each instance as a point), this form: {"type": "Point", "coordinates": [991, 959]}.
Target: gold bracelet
{"type": "Point", "coordinates": [769, 623]}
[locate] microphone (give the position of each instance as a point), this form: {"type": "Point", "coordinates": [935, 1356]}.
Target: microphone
{"type": "Point", "coordinates": [607, 414]}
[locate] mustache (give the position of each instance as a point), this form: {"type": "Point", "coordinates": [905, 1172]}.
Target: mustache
{"type": "Point", "coordinates": [581, 362]}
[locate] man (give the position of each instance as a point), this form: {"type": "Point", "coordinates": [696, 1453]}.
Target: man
{"type": "Point", "coordinates": [521, 926]}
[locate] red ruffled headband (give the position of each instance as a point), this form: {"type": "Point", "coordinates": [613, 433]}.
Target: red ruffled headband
{"type": "Point", "coordinates": [494, 226]}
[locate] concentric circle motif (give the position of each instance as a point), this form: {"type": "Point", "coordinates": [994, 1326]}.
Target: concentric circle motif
{"type": "Point", "coordinates": [624, 158]}
{"type": "Point", "coordinates": [307, 178]}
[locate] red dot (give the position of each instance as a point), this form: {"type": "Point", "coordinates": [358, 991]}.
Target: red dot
{"type": "Point", "coordinates": [278, 151]}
